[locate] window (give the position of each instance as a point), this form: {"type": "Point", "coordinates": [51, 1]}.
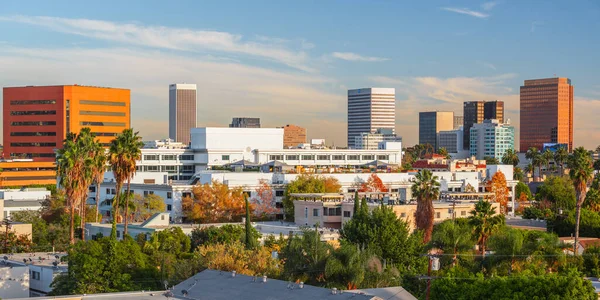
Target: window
{"type": "Point", "coordinates": [92, 189]}
{"type": "Point", "coordinates": [151, 157]}
{"type": "Point", "coordinates": [149, 181]}
{"type": "Point", "coordinates": [33, 123]}
{"type": "Point", "coordinates": [346, 214]}
{"type": "Point", "coordinates": [315, 212]}
{"type": "Point", "coordinates": [383, 157]}
{"type": "Point", "coordinates": [187, 169]}
{"type": "Point", "coordinates": [108, 191]}
{"type": "Point", "coordinates": [33, 113]}
{"type": "Point", "coordinates": [118, 234]}
{"type": "Point", "coordinates": [186, 194]}
{"type": "Point", "coordinates": [169, 195]}
{"type": "Point", "coordinates": [338, 157]}
{"type": "Point", "coordinates": [113, 124]}
{"type": "Point", "coordinates": [33, 144]}
{"type": "Point", "coordinates": [107, 103]}
{"type": "Point", "coordinates": [151, 168]}
{"type": "Point", "coordinates": [50, 133]}
{"type": "Point", "coordinates": [322, 157]}
{"type": "Point", "coordinates": [292, 157]}
{"type": "Point", "coordinates": [306, 212]}
{"type": "Point", "coordinates": [403, 215]}
{"type": "Point", "coordinates": [32, 102]}
{"type": "Point", "coordinates": [169, 157]}
{"type": "Point", "coordinates": [113, 191]}
{"type": "Point", "coordinates": [224, 157]}
{"type": "Point", "coordinates": [278, 205]}
{"type": "Point", "coordinates": [276, 157]}
{"type": "Point", "coordinates": [438, 215]}
{"type": "Point", "coordinates": [463, 213]}
{"type": "Point", "coordinates": [169, 207]}
{"type": "Point", "coordinates": [35, 275]}
{"type": "Point", "coordinates": [145, 193]}
{"type": "Point", "coordinates": [186, 157]}
{"type": "Point", "coordinates": [170, 169]}
{"type": "Point", "coordinates": [279, 193]}
{"type": "Point", "coordinates": [353, 157]}
{"type": "Point", "coordinates": [308, 157]}
{"type": "Point", "coordinates": [368, 157]}
{"type": "Point", "coordinates": [162, 217]}
{"type": "Point", "coordinates": [100, 113]}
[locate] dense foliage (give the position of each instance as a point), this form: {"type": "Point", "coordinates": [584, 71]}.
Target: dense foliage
{"type": "Point", "coordinates": [306, 183]}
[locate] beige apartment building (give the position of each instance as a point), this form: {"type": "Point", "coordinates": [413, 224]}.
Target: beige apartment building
{"type": "Point", "coordinates": [182, 112]}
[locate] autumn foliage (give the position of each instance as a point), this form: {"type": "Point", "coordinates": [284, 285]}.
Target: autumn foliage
{"type": "Point", "coordinates": [214, 202]}
{"type": "Point", "coordinates": [500, 190]}
{"type": "Point", "coordinates": [264, 201]}
{"type": "Point", "coordinates": [373, 184]}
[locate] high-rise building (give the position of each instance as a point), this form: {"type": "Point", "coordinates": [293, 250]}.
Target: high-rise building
{"type": "Point", "coordinates": [370, 109]}
{"type": "Point", "coordinates": [182, 111]}
{"type": "Point", "coordinates": [370, 141]}
{"type": "Point", "coordinates": [431, 123]}
{"type": "Point", "coordinates": [38, 118]}
{"type": "Point", "coordinates": [546, 113]}
{"type": "Point", "coordinates": [458, 122]}
{"type": "Point", "coordinates": [491, 139]}
{"type": "Point", "coordinates": [245, 122]}
{"type": "Point", "coordinates": [293, 136]}
{"type": "Point", "coordinates": [451, 140]}
{"type": "Point", "coordinates": [475, 112]}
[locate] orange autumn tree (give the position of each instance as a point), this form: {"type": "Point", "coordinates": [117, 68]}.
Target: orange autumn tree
{"type": "Point", "coordinates": [214, 202]}
{"type": "Point", "coordinates": [498, 187]}
{"type": "Point", "coordinates": [264, 201]}
{"type": "Point", "coordinates": [523, 201]}
{"type": "Point", "coordinates": [373, 184]}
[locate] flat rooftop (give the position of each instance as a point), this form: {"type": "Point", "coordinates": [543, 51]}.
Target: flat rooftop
{"type": "Point", "coordinates": [35, 258]}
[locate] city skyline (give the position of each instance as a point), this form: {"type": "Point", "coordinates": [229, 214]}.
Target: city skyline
{"type": "Point", "coordinates": [297, 74]}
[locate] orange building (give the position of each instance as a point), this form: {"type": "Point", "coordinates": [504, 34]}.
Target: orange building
{"type": "Point", "coordinates": [25, 172]}
{"type": "Point", "coordinates": [293, 136]}
{"type": "Point", "coordinates": [38, 118]}
{"type": "Point", "coordinates": [546, 113]}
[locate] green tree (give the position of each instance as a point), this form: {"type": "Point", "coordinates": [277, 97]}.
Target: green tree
{"type": "Point", "coordinates": [39, 228]}
{"type": "Point", "coordinates": [510, 157]}
{"type": "Point", "coordinates": [491, 160]}
{"type": "Point", "coordinates": [345, 268]}
{"type": "Point", "coordinates": [356, 204]}
{"type": "Point", "coordinates": [485, 222]}
{"type": "Point", "coordinates": [426, 188]}
{"type": "Point", "coordinates": [522, 188]}
{"type": "Point", "coordinates": [443, 152]}
{"type": "Point", "coordinates": [145, 207]}
{"type": "Point", "coordinates": [581, 173]}
{"type": "Point", "coordinates": [558, 191]}
{"type": "Point", "coordinates": [547, 157]}
{"type": "Point", "coordinates": [518, 174]}
{"type": "Point", "coordinates": [305, 257]}
{"type": "Point", "coordinates": [560, 157]}
{"type": "Point", "coordinates": [248, 241]}
{"type": "Point", "coordinates": [225, 234]}
{"type": "Point", "coordinates": [535, 157]}
{"type": "Point", "coordinates": [306, 183]}
{"type": "Point", "coordinates": [98, 166]}
{"type": "Point", "coordinates": [452, 237]}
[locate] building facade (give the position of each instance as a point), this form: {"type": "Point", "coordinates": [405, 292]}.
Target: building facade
{"type": "Point", "coordinates": [182, 111]}
{"type": "Point", "coordinates": [475, 112]}
{"type": "Point", "coordinates": [245, 122]}
{"type": "Point", "coordinates": [491, 139]}
{"type": "Point", "coordinates": [38, 118]}
{"type": "Point", "coordinates": [26, 172]}
{"type": "Point", "coordinates": [452, 140]}
{"type": "Point", "coordinates": [458, 121]}
{"type": "Point", "coordinates": [293, 136]}
{"type": "Point", "coordinates": [431, 123]}
{"type": "Point", "coordinates": [370, 141]}
{"type": "Point", "coordinates": [370, 109]}
{"type": "Point", "coordinates": [546, 113]}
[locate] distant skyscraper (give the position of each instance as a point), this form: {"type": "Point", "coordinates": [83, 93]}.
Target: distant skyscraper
{"type": "Point", "coordinates": [293, 136]}
{"type": "Point", "coordinates": [245, 122]}
{"type": "Point", "coordinates": [458, 121]}
{"type": "Point", "coordinates": [182, 111]}
{"type": "Point", "coordinates": [431, 123]}
{"type": "Point", "coordinates": [491, 139]}
{"type": "Point", "coordinates": [370, 109]}
{"type": "Point", "coordinates": [546, 113]}
{"type": "Point", "coordinates": [475, 112]}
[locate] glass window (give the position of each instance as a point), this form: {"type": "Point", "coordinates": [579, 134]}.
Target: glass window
{"type": "Point", "coordinates": [186, 157]}
{"type": "Point", "coordinates": [50, 133]}
{"type": "Point", "coordinates": [169, 195]}
{"type": "Point", "coordinates": [33, 144]}
{"type": "Point", "coordinates": [322, 157]}
{"type": "Point", "coordinates": [32, 102]}
{"type": "Point", "coordinates": [438, 215]}
{"type": "Point", "coordinates": [224, 157]}
{"type": "Point", "coordinates": [308, 157]}
{"type": "Point", "coordinates": [292, 157]}
{"type": "Point", "coordinates": [338, 157]}
{"type": "Point", "coordinates": [169, 207]}
{"type": "Point", "coordinates": [276, 157]}
{"type": "Point", "coordinates": [33, 113]}
{"type": "Point", "coordinates": [353, 157]}
{"type": "Point", "coordinates": [279, 193]}
{"type": "Point", "coordinates": [113, 124]}
{"type": "Point", "coordinates": [383, 157]}
{"type": "Point", "coordinates": [151, 157]}
{"type": "Point", "coordinates": [346, 214]}
{"type": "Point", "coordinates": [187, 169]}
{"type": "Point", "coordinates": [100, 113]}
{"type": "Point", "coordinates": [106, 103]}
{"type": "Point", "coordinates": [368, 157]}
{"type": "Point", "coordinates": [33, 123]}
{"type": "Point", "coordinates": [315, 212]}
{"type": "Point", "coordinates": [169, 157]}
{"type": "Point", "coordinates": [306, 212]}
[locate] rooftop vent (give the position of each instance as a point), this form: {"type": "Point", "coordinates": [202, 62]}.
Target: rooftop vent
{"type": "Point", "coordinates": [264, 278]}
{"type": "Point", "coordinates": [334, 291]}
{"type": "Point", "coordinates": [233, 273]}
{"type": "Point", "coordinates": [301, 285]}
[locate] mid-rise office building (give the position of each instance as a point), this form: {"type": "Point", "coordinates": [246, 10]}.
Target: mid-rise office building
{"type": "Point", "coordinates": [458, 122]}
{"type": "Point", "coordinates": [293, 136]}
{"type": "Point", "coordinates": [370, 141]}
{"type": "Point", "coordinates": [38, 118]}
{"type": "Point", "coordinates": [182, 111]}
{"type": "Point", "coordinates": [370, 109]}
{"type": "Point", "coordinates": [431, 123]}
{"type": "Point", "coordinates": [245, 122]}
{"type": "Point", "coordinates": [546, 113]}
{"type": "Point", "coordinates": [475, 112]}
{"type": "Point", "coordinates": [451, 140]}
{"type": "Point", "coordinates": [491, 139]}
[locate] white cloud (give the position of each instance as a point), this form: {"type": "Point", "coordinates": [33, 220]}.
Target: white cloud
{"type": "Point", "coordinates": [349, 56]}
{"type": "Point", "coordinates": [182, 39]}
{"type": "Point", "coordinates": [466, 11]}
{"type": "Point", "coordinates": [489, 5]}
{"type": "Point", "coordinates": [488, 65]}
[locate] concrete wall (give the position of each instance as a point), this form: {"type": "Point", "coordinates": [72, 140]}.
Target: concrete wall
{"type": "Point", "coordinates": [41, 286]}
{"type": "Point", "coordinates": [14, 282]}
{"type": "Point", "coordinates": [23, 195]}
{"type": "Point", "coordinates": [222, 138]}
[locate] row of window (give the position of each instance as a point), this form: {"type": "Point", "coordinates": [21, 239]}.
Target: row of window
{"type": "Point", "coordinates": [33, 112]}
{"type": "Point", "coordinates": [33, 123]}
{"type": "Point", "coordinates": [48, 133]}
{"type": "Point", "coordinates": [170, 169]}
{"type": "Point", "coordinates": [31, 102]}
{"type": "Point", "coordinates": [102, 113]}
{"type": "Point", "coordinates": [115, 124]}
{"type": "Point", "coordinates": [33, 145]}
{"type": "Point", "coordinates": [31, 155]}
{"type": "Point", "coordinates": [105, 134]}
{"type": "Point", "coordinates": [169, 157]}
{"type": "Point", "coordinates": [327, 157]}
{"type": "Point", "coordinates": [110, 191]}
{"type": "Point", "coordinates": [107, 103]}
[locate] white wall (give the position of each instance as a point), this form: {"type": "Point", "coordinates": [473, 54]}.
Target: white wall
{"type": "Point", "coordinates": [47, 275]}
{"type": "Point", "coordinates": [23, 195]}
{"type": "Point", "coordinates": [18, 285]}
{"type": "Point", "coordinates": [508, 171]}
{"type": "Point", "coordinates": [139, 177]}
{"type": "Point", "coordinates": [224, 138]}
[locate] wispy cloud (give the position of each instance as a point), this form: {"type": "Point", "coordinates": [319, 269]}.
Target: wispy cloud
{"type": "Point", "coordinates": [466, 11]}
{"type": "Point", "coordinates": [356, 57]}
{"type": "Point", "coordinates": [487, 6]}
{"type": "Point", "coordinates": [183, 39]}
{"type": "Point", "coordinates": [488, 65]}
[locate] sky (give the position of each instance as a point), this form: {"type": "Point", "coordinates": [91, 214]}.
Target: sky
{"type": "Point", "coordinates": [292, 62]}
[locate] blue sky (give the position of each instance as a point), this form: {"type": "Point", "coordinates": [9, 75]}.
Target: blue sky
{"type": "Point", "coordinates": [292, 62]}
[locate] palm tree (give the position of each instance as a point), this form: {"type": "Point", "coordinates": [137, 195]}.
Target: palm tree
{"type": "Point", "coordinates": [547, 156]}
{"type": "Point", "coordinates": [133, 144]}
{"type": "Point", "coordinates": [117, 158]}
{"type": "Point", "coordinates": [485, 222]}
{"type": "Point", "coordinates": [510, 157]}
{"type": "Point", "coordinates": [560, 157]}
{"type": "Point", "coordinates": [518, 174]}
{"type": "Point", "coordinates": [98, 169]}
{"type": "Point", "coordinates": [535, 157]}
{"type": "Point", "coordinates": [452, 237]}
{"type": "Point", "coordinates": [426, 189]}
{"type": "Point", "coordinates": [581, 173]}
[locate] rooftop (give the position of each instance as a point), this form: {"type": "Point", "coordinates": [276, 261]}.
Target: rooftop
{"type": "Point", "coordinates": [45, 259]}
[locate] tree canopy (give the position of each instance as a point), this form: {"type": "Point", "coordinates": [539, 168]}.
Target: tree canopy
{"type": "Point", "coordinates": [306, 183]}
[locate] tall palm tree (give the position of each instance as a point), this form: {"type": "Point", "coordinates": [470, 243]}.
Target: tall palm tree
{"type": "Point", "coordinates": [485, 222]}
{"type": "Point", "coordinates": [547, 156]}
{"type": "Point", "coordinates": [535, 157]}
{"type": "Point", "coordinates": [452, 238]}
{"type": "Point", "coordinates": [133, 145]}
{"type": "Point", "coordinates": [89, 145]}
{"type": "Point", "coordinates": [426, 188]}
{"type": "Point", "coordinates": [98, 169]}
{"type": "Point", "coordinates": [117, 158]}
{"type": "Point", "coordinates": [581, 173]}
{"type": "Point", "coordinates": [510, 157]}
{"type": "Point", "coordinates": [560, 157]}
